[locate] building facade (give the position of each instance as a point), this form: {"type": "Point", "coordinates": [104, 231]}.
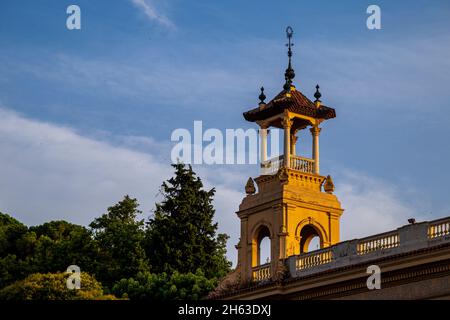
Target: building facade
{"type": "Point", "coordinates": [292, 203]}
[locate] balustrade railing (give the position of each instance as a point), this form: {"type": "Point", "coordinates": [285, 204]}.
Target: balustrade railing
{"type": "Point", "coordinates": [261, 272]}
{"type": "Point", "coordinates": [312, 259]}
{"type": "Point", "coordinates": [380, 242]}
{"type": "Point", "coordinates": [404, 239]}
{"type": "Point", "coordinates": [439, 229]}
{"type": "Point", "coordinates": [272, 166]}
{"type": "Point", "coordinates": [302, 164]}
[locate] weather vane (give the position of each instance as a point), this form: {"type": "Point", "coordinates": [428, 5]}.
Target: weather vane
{"type": "Point", "coordinates": [289, 33]}
{"type": "Point", "coordinates": [289, 74]}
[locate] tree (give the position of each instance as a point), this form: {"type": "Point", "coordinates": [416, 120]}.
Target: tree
{"type": "Point", "coordinates": [50, 247]}
{"type": "Point", "coordinates": [150, 286]}
{"type": "Point", "coordinates": [11, 265]}
{"type": "Point", "coordinates": [59, 244]}
{"type": "Point", "coordinates": [181, 236]}
{"type": "Point", "coordinates": [12, 269]}
{"type": "Point", "coordinates": [177, 255]}
{"type": "Point", "coordinates": [52, 286]}
{"type": "Point", "coordinates": [10, 231]}
{"type": "Point", "coordinates": [119, 236]}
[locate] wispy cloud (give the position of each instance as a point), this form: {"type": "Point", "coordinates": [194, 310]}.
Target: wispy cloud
{"type": "Point", "coordinates": [373, 205]}
{"type": "Point", "coordinates": [375, 72]}
{"type": "Point", "coordinates": [404, 73]}
{"type": "Point", "coordinates": [151, 13]}
{"type": "Point", "coordinates": [65, 175]}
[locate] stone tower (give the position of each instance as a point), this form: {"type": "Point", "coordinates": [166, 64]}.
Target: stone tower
{"type": "Point", "coordinates": [293, 202]}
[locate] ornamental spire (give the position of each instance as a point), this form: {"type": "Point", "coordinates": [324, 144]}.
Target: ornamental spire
{"type": "Point", "coordinates": [289, 74]}
{"type": "Point", "coordinates": [317, 95]}
{"type": "Point", "coordinates": [262, 96]}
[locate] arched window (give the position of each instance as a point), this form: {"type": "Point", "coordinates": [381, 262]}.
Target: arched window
{"type": "Point", "coordinates": [261, 246]}
{"type": "Point", "coordinates": [314, 244]}
{"type": "Point", "coordinates": [264, 250]}
{"type": "Point", "coordinates": [310, 239]}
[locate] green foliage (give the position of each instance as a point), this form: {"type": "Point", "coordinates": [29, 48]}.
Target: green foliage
{"type": "Point", "coordinates": [119, 236]}
{"type": "Point", "coordinates": [177, 255]}
{"type": "Point", "coordinates": [52, 286]}
{"type": "Point", "coordinates": [181, 236]}
{"type": "Point", "coordinates": [58, 244]}
{"type": "Point", "coordinates": [177, 286]}
{"type": "Point", "coordinates": [10, 231]}
{"type": "Point", "coordinates": [51, 247]}
{"type": "Point", "coordinates": [11, 269]}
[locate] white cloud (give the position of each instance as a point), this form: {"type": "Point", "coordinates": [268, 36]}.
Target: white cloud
{"type": "Point", "coordinates": [140, 78]}
{"type": "Point", "coordinates": [403, 73]}
{"type": "Point", "coordinates": [150, 12]}
{"type": "Point", "coordinates": [373, 206]}
{"type": "Point", "coordinates": [49, 172]}
{"type": "Point", "coordinates": [375, 72]}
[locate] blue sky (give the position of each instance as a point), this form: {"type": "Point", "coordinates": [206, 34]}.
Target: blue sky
{"type": "Point", "coordinates": [87, 114]}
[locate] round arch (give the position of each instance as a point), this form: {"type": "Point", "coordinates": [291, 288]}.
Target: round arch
{"type": "Point", "coordinates": [308, 229]}
{"type": "Point", "coordinates": [259, 232]}
{"type": "Point", "coordinates": [256, 228]}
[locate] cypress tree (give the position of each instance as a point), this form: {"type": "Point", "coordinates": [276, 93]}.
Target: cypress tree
{"type": "Point", "coordinates": [181, 235]}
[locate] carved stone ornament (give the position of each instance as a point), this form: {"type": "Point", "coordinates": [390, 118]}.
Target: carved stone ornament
{"type": "Point", "coordinates": [315, 131]}
{"type": "Point", "coordinates": [283, 175]}
{"type": "Point", "coordinates": [250, 186]}
{"type": "Point", "coordinates": [281, 272]}
{"type": "Point", "coordinates": [229, 283]}
{"type": "Point", "coordinates": [328, 186]}
{"type": "Point", "coordinates": [287, 123]}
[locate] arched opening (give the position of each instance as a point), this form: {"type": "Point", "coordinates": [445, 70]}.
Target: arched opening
{"type": "Point", "coordinates": [310, 239]}
{"type": "Point", "coordinates": [314, 244]}
{"type": "Point", "coordinates": [264, 251]}
{"type": "Point", "coordinates": [262, 246]}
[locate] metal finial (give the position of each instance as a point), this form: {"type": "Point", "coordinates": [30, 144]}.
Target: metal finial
{"type": "Point", "coordinates": [289, 33]}
{"type": "Point", "coordinates": [289, 74]}
{"type": "Point", "coordinates": [317, 95]}
{"type": "Point", "coordinates": [286, 86]}
{"type": "Point", "coordinates": [262, 96]}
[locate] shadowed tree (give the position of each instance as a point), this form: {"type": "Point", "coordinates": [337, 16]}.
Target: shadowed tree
{"type": "Point", "coordinates": [11, 265]}
{"type": "Point", "coordinates": [150, 286]}
{"type": "Point", "coordinates": [59, 244]}
{"type": "Point", "coordinates": [181, 236]}
{"type": "Point", "coordinates": [52, 286]}
{"type": "Point", "coordinates": [11, 230]}
{"type": "Point", "coordinates": [119, 235]}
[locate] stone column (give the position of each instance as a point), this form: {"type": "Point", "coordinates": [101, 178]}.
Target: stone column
{"type": "Point", "coordinates": [315, 131]}
{"type": "Point", "coordinates": [245, 251]}
{"type": "Point", "coordinates": [294, 139]}
{"type": "Point", "coordinates": [287, 141]}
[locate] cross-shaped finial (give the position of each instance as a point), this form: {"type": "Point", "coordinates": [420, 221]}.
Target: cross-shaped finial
{"type": "Point", "coordinates": [289, 75]}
